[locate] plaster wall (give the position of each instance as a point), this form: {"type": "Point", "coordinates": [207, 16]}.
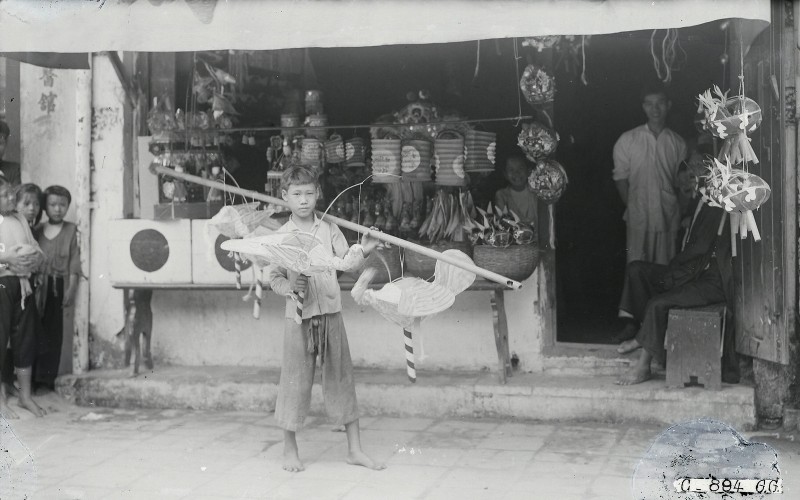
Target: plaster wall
{"type": "Point", "coordinates": [48, 127]}
{"type": "Point", "coordinates": [108, 153]}
{"type": "Point", "coordinates": [217, 328]}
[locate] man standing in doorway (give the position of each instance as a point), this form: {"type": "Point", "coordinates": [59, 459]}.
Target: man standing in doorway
{"type": "Point", "coordinates": [646, 161]}
{"type": "Point", "coordinates": [9, 170]}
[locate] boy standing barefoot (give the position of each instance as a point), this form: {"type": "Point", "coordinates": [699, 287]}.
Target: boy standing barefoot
{"type": "Point", "coordinates": [322, 332]}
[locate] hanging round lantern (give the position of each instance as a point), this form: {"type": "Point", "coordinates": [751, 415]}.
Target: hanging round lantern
{"type": "Point", "coordinates": [548, 181]}
{"type": "Point", "coordinates": [537, 85]}
{"type": "Point", "coordinates": [537, 141]}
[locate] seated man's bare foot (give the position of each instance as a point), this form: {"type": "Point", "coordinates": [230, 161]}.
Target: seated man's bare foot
{"type": "Point", "coordinates": [7, 412]}
{"type": "Point", "coordinates": [361, 458]}
{"type": "Point", "coordinates": [30, 405]}
{"type": "Point", "coordinates": [291, 461]}
{"type": "Point", "coordinates": [635, 375]}
{"type": "Point", "coordinates": [628, 346]}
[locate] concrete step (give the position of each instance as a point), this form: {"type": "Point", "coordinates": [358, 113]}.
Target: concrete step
{"type": "Point", "coordinates": [434, 395]}
{"type": "Point", "coordinates": [588, 360]}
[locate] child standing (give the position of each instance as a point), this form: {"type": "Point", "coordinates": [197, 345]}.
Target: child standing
{"type": "Point", "coordinates": [322, 331]}
{"type": "Point", "coordinates": [517, 197]}
{"type": "Point", "coordinates": [17, 307]}
{"type": "Point", "coordinates": [29, 203]}
{"type": "Point", "coordinates": [58, 282]}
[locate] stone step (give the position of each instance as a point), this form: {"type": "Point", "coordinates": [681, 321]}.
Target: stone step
{"type": "Point", "coordinates": [435, 395]}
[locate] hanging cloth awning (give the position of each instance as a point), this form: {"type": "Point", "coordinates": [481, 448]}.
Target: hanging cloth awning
{"type": "Point", "coordinates": [186, 25]}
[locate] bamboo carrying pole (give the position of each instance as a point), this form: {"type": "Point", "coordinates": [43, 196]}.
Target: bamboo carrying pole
{"type": "Point", "coordinates": [483, 273]}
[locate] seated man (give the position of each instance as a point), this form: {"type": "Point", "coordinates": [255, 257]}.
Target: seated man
{"type": "Point", "coordinates": [700, 274]}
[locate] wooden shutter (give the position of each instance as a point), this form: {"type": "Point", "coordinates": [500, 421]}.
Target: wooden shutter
{"type": "Point", "coordinates": [765, 271]}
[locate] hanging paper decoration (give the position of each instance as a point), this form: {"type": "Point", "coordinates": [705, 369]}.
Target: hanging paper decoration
{"type": "Point", "coordinates": [737, 192]}
{"type": "Point", "coordinates": [537, 85]}
{"type": "Point", "coordinates": [731, 119]}
{"type": "Point", "coordinates": [548, 181]}
{"type": "Point", "coordinates": [537, 141]}
{"type": "Point", "coordinates": [541, 42]}
{"type": "Point", "coordinates": [571, 54]}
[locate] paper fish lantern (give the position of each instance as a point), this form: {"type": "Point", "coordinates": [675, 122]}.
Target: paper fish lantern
{"type": "Point", "coordinates": [731, 119]}
{"type": "Point", "coordinates": [737, 192]}
{"type": "Point", "coordinates": [548, 181]}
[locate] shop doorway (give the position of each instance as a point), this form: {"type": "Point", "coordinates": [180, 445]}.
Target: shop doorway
{"type": "Point", "coordinates": [590, 232]}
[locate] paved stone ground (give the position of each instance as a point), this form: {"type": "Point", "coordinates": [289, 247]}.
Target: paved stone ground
{"type": "Point", "coordinates": [83, 453]}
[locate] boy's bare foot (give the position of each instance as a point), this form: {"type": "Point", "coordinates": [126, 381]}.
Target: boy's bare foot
{"type": "Point", "coordinates": [7, 412]}
{"type": "Point", "coordinates": [635, 375]}
{"type": "Point", "coordinates": [358, 457]}
{"type": "Point", "coordinates": [30, 405]}
{"type": "Point", "coordinates": [291, 457]}
{"type": "Point", "coordinates": [292, 463]}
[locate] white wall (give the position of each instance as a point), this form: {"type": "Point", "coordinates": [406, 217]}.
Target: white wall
{"type": "Point", "coordinates": [208, 328]}
{"type": "Point", "coordinates": [48, 130]}
{"type": "Point", "coordinates": [106, 305]}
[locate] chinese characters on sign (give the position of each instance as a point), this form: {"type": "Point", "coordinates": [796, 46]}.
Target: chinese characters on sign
{"type": "Point", "coordinates": [48, 102]}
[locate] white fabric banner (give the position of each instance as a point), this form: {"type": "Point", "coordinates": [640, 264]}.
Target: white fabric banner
{"type": "Point", "coordinates": [186, 25]}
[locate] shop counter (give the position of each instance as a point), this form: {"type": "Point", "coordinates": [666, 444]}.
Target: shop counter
{"type": "Point", "coordinates": [139, 317]}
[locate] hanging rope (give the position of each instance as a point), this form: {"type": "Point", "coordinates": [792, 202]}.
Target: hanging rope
{"type": "Point", "coordinates": [516, 82]}
{"type": "Point", "coordinates": [583, 55]}
{"type": "Point", "coordinates": [665, 63]}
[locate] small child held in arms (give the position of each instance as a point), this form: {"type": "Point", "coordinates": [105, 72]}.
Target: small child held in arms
{"type": "Point", "coordinates": [517, 197]}
{"type": "Point", "coordinates": [17, 307]}
{"type": "Point", "coordinates": [58, 281]}
{"type": "Point", "coordinates": [322, 331]}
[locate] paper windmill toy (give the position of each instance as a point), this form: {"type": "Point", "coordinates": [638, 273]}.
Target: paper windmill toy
{"type": "Point", "coordinates": [406, 301]}
{"type": "Point", "coordinates": [738, 193]}
{"type": "Point", "coordinates": [731, 119]}
{"type": "Point", "coordinates": [300, 252]}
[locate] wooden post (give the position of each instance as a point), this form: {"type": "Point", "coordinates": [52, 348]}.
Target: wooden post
{"type": "Point", "coordinates": [83, 201]}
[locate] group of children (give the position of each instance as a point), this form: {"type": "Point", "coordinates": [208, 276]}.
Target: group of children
{"type": "Point", "coordinates": [42, 280]}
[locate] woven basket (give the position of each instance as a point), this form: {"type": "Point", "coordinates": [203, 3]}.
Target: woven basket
{"type": "Point", "coordinates": [516, 261]}
{"type": "Point", "coordinates": [423, 266]}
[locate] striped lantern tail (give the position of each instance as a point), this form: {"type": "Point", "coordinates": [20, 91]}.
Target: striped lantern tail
{"type": "Point", "coordinates": [410, 368]}
{"type": "Point", "coordinates": [237, 266]}
{"type": "Point", "coordinates": [259, 294]}
{"type": "Point", "coordinates": [298, 312]}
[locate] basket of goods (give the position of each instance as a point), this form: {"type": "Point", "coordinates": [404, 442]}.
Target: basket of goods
{"type": "Point", "coordinates": [449, 159]}
{"type": "Point", "coordinates": [415, 160]}
{"type": "Point", "coordinates": [503, 244]}
{"type": "Point", "coordinates": [537, 141]}
{"type": "Point", "coordinates": [442, 229]}
{"type": "Point", "coordinates": [537, 85]}
{"type": "Point", "coordinates": [354, 155]}
{"type": "Point", "coordinates": [731, 119]}
{"type": "Point", "coordinates": [480, 149]}
{"type": "Point", "coordinates": [548, 181]}
{"type": "Point", "coordinates": [386, 154]}
{"type": "Point", "coordinates": [334, 149]}
{"type": "Point", "coordinates": [737, 192]}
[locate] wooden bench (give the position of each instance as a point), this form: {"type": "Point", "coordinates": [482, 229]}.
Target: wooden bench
{"type": "Point", "coordinates": [694, 342]}
{"type": "Point", "coordinates": [139, 317]}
